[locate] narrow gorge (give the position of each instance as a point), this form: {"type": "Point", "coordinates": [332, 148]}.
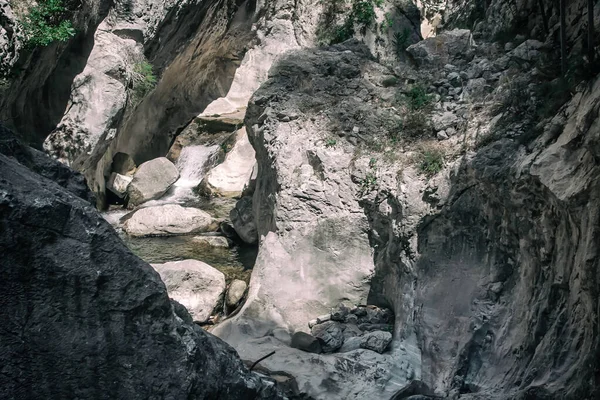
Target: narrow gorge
{"type": "Point", "coordinates": [308, 199]}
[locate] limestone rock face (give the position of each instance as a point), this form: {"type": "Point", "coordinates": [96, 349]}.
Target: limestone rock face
{"type": "Point", "coordinates": [194, 284]}
{"type": "Point", "coordinates": [229, 178]}
{"type": "Point", "coordinates": [151, 180]}
{"type": "Point", "coordinates": [85, 318]}
{"type": "Point", "coordinates": [168, 219]}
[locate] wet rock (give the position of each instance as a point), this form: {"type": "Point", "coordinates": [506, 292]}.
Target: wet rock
{"type": "Point", "coordinates": [151, 180]}
{"type": "Point", "coordinates": [169, 219]}
{"type": "Point", "coordinates": [305, 342]}
{"type": "Point", "coordinates": [242, 218]}
{"type": "Point", "coordinates": [377, 341]}
{"type": "Point", "coordinates": [235, 292]}
{"type": "Point", "coordinates": [212, 241]}
{"type": "Point", "coordinates": [118, 184]}
{"type": "Point", "coordinates": [330, 335]}
{"type": "Point", "coordinates": [194, 284]}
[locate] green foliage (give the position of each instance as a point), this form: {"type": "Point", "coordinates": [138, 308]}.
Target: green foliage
{"type": "Point", "coordinates": [144, 79]}
{"type": "Point", "coordinates": [431, 161]}
{"type": "Point", "coordinates": [330, 142]}
{"type": "Point", "coordinates": [400, 41]}
{"type": "Point", "coordinates": [417, 98]}
{"type": "Point", "coordinates": [368, 183]}
{"type": "Point", "coordinates": [47, 22]}
{"type": "Point", "coordinates": [387, 23]}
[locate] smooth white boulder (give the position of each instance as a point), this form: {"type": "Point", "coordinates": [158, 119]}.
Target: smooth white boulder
{"type": "Point", "coordinates": [231, 177]}
{"type": "Point", "coordinates": [151, 180]}
{"type": "Point", "coordinates": [168, 219]}
{"type": "Point", "coordinates": [194, 284]}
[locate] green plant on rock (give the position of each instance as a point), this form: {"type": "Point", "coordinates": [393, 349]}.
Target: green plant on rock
{"type": "Point", "coordinates": [47, 22]}
{"type": "Point", "coordinates": [400, 41]}
{"type": "Point", "coordinates": [368, 183]}
{"type": "Point", "coordinates": [417, 98]}
{"type": "Point", "coordinates": [362, 15]}
{"type": "Point", "coordinates": [330, 142]}
{"type": "Point", "coordinates": [143, 79]}
{"type": "Point", "coordinates": [431, 161]}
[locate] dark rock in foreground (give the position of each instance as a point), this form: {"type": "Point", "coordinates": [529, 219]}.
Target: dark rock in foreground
{"type": "Point", "coordinates": [83, 318]}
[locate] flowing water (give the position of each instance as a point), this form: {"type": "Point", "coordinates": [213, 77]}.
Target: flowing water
{"type": "Point", "coordinates": [193, 163]}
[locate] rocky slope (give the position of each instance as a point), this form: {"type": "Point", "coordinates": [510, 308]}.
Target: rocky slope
{"type": "Point", "coordinates": [85, 318]}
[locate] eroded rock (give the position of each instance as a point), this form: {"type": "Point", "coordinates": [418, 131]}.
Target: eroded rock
{"type": "Point", "coordinates": [330, 335]}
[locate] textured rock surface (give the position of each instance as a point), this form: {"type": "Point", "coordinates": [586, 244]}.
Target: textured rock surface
{"type": "Point", "coordinates": [194, 284]}
{"type": "Point", "coordinates": [488, 264]}
{"type": "Point", "coordinates": [305, 342]}
{"type": "Point", "coordinates": [170, 219]}
{"type": "Point", "coordinates": [151, 180]}
{"type": "Point", "coordinates": [85, 318]}
{"type": "Point", "coordinates": [242, 219]}
{"type": "Point", "coordinates": [39, 163]}
{"type": "Point", "coordinates": [377, 341]}
{"type": "Point", "coordinates": [229, 178]}
{"type": "Point", "coordinates": [235, 292]}
{"type": "Point", "coordinates": [330, 335]}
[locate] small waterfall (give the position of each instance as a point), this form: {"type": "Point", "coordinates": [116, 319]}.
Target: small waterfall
{"type": "Point", "coordinates": [193, 164]}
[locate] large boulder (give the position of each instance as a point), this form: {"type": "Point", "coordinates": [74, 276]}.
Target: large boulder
{"type": "Point", "coordinates": [151, 180]}
{"type": "Point", "coordinates": [168, 219]}
{"type": "Point", "coordinates": [242, 218]}
{"type": "Point", "coordinates": [231, 177]}
{"type": "Point", "coordinates": [41, 164]}
{"type": "Point", "coordinates": [85, 318]}
{"type": "Point", "coordinates": [194, 284]}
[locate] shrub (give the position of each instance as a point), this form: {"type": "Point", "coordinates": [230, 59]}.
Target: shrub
{"type": "Point", "coordinates": [330, 142]}
{"type": "Point", "coordinates": [144, 79]}
{"type": "Point", "coordinates": [47, 22]}
{"type": "Point", "coordinates": [431, 161]}
{"type": "Point", "coordinates": [400, 41]}
{"type": "Point", "coordinates": [417, 98]}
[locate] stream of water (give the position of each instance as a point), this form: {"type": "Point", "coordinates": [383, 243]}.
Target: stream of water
{"type": "Point", "coordinates": [193, 164]}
